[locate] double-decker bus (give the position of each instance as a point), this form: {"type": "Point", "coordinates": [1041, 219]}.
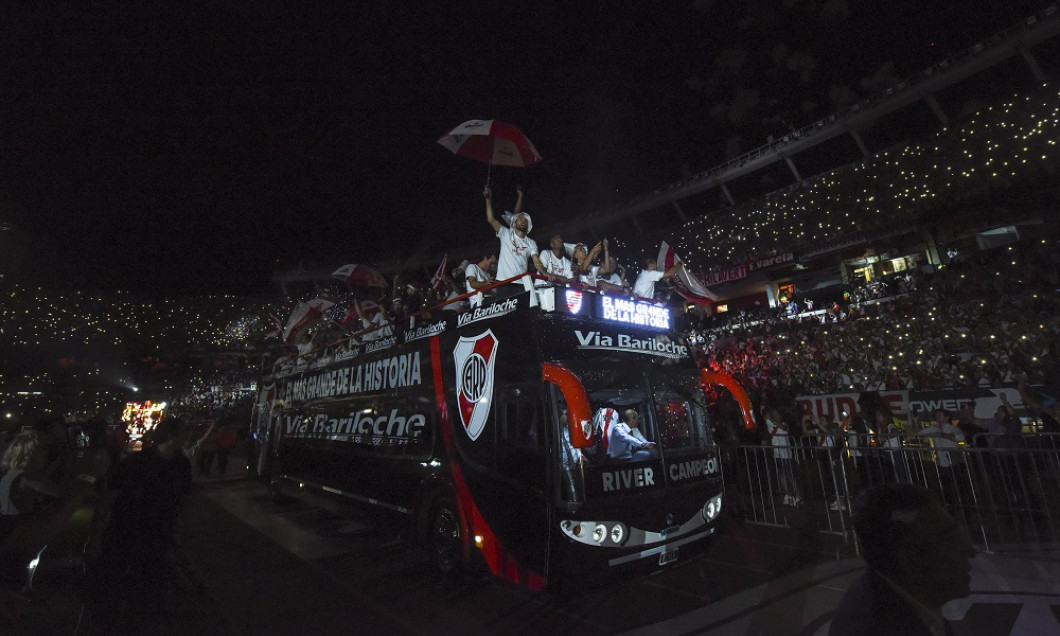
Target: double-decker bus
{"type": "Point", "coordinates": [490, 429]}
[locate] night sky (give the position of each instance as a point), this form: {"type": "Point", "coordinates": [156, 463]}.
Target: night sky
{"type": "Point", "coordinates": [182, 147]}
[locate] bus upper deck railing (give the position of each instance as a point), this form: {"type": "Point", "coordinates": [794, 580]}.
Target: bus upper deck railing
{"type": "Point", "coordinates": [385, 329]}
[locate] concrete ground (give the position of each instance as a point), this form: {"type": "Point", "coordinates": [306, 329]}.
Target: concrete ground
{"type": "Point", "coordinates": [257, 567]}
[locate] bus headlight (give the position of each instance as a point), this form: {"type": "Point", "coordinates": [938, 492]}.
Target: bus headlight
{"type": "Point", "coordinates": [606, 534]}
{"type": "Point", "coordinates": [712, 508]}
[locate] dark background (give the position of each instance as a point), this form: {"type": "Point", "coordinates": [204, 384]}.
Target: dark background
{"type": "Point", "coordinates": [177, 147]}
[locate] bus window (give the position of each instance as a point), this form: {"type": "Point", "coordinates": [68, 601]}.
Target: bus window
{"type": "Point", "coordinates": [673, 421]}
{"type": "Point", "coordinates": [680, 414]}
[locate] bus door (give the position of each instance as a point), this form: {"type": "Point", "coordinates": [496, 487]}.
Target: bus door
{"type": "Point", "coordinates": [516, 504]}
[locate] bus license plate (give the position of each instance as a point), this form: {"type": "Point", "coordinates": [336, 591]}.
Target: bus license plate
{"type": "Point", "coordinates": [669, 556]}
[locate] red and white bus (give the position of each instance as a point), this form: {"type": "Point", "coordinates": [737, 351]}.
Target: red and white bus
{"type": "Point", "coordinates": [487, 429]}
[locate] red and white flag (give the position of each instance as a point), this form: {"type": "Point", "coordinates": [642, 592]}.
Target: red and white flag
{"type": "Point", "coordinates": [438, 280]}
{"type": "Point", "coordinates": [304, 316]}
{"type": "Point", "coordinates": [356, 275]}
{"type": "Point", "coordinates": [684, 283]}
{"type": "Point", "coordinates": [368, 308]}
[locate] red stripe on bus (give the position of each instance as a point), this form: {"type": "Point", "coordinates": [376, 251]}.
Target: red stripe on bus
{"type": "Point", "coordinates": [500, 562]}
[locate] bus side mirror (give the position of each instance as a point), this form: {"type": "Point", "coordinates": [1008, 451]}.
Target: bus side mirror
{"type": "Point", "coordinates": [723, 379]}
{"type": "Point", "coordinates": [579, 413]}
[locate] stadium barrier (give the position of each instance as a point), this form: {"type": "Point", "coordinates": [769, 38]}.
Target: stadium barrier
{"type": "Point", "coordinates": [1005, 497]}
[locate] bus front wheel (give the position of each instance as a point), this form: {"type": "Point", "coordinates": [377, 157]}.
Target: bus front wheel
{"type": "Point", "coordinates": [444, 537]}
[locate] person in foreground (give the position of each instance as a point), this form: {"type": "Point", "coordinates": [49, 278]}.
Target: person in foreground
{"type": "Point", "coordinates": [133, 587]}
{"type": "Point", "coordinates": [918, 559]}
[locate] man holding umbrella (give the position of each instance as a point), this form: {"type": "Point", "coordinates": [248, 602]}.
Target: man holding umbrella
{"type": "Point", "coordinates": [515, 244]}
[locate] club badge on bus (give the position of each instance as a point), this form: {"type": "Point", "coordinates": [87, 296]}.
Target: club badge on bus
{"type": "Point", "coordinates": [474, 360]}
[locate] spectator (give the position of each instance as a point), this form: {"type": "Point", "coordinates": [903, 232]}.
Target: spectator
{"type": "Point", "coordinates": [944, 434]}
{"type": "Point", "coordinates": [194, 450]}
{"type": "Point", "coordinates": [1049, 413]}
{"type": "Point", "coordinates": [479, 275]}
{"type": "Point", "coordinates": [615, 282]}
{"type": "Point", "coordinates": [376, 326]}
{"type": "Point", "coordinates": [651, 274]}
{"type": "Point", "coordinates": [37, 521]}
{"type": "Point", "coordinates": [226, 441]}
{"type": "Point", "coordinates": [24, 487]}
{"type": "Point", "coordinates": [970, 426]}
{"type": "Point", "coordinates": [950, 464]}
{"type": "Point", "coordinates": [1005, 430]}
{"type": "Point", "coordinates": [56, 443]}
{"type": "Point", "coordinates": [557, 265]}
{"type": "Point", "coordinates": [780, 440]}
{"type": "Point", "coordinates": [130, 587]}
{"type": "Point", "coordinates": [516, 246]}
{"type": "Point", "coordinates": [917, 559]}
{"type": "Point", "coordinates": [454, 287]}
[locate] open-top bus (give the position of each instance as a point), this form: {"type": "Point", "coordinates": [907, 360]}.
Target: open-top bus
{"type": "Point", "coordinates": [488, 428]}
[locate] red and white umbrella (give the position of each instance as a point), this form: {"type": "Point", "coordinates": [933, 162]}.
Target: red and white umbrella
{"type": "Point", "coordinates": [492, 142]}
{"type": "Point", "coordinates": [304, 316]}
{"type": "Point", "coordinates": [360, 275]}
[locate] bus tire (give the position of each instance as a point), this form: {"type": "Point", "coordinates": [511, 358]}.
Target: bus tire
{"type": "Point", "coordinates": [444, 537]}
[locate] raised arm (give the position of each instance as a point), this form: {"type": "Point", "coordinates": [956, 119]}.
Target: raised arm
{"type": "Point", "coordinates": [202, 440]}
{"type": "Point", "coordinates": [518, 200]}
{"type": "Point", "coordinates": [593, 253]}
{"type": "Point", "coordinates": [490, 216]}
{"type": "Point", "coordinates": [608, 265]}
{"type": "Point", "coordinates": [582, 265]}
{"type": "Point", "coordinates": [1031, 402]}
{"type": "Point", "coordinates": [1007, 406]}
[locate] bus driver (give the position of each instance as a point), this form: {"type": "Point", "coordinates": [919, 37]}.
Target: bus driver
{"type": "Point", "coordinates": [622, 444]}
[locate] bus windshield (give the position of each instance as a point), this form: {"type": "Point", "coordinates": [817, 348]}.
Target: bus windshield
{"type": "Point", "coordinates": [642, 412]}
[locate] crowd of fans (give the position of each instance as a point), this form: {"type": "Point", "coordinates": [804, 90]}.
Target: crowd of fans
{"type": "Point", "coordinates": [993, 150]}
{"type": "Point", "coordinates": [983, 321]}
{"type": "Point", "coordinates": [87, 353]}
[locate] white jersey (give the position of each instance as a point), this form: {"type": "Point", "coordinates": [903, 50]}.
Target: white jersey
{"type": "Point", "coordinates": [945, 436]}
{"type": "Point", "coordinates": [645, 285]}
{"type": "Point", "coordinates": [779, 439]}
{"type": "Point", "coordinates": [514, 252]}
{"type": "Point", "coordinates": [474, 272]}
{"type": "Point", "coordinates": [555, 265]}
{"type": "Point", "coordinates": [591, 277]}
{"type": "Point", "coordinates": [379, 325]}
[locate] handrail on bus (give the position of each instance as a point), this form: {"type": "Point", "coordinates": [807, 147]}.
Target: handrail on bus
{"type": "Point", "coordinates": [723, 379]}
{"type": "Point", "coordinates": [426, 311]}
{"type": "Point", "coordinates": [579, 413]}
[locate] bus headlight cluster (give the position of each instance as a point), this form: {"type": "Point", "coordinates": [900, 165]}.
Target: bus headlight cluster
{"type": "Point", "coordinates": [602, 533]}
{"type": "Point", "coordinates": [712, 508]}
